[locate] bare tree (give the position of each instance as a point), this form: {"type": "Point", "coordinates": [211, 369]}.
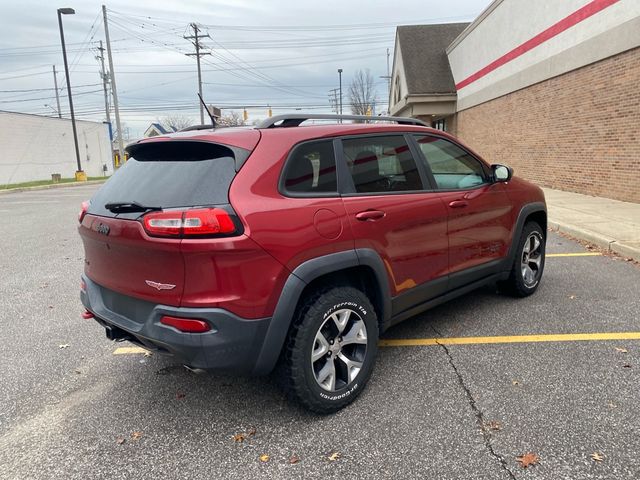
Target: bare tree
{"type": "Point", "coordinates": [362, 94]}
{"type": "Point", "coordinates": [231, 119]}
{"type": "Point", "coordinates": [175, 122]}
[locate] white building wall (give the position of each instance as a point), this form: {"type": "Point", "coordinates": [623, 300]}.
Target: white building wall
{"type": "Point", "coordinates": [33, 147]}
{"type": "Point", "coordinates": [507, 24]}
{"type": "Point", "coordinates": [399, 86]}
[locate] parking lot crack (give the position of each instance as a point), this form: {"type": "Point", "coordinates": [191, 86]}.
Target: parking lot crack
{"type": "Point", "coordinates": [480, 420]}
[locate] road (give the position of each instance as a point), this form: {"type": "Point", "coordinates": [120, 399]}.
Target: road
{"type": "Point", "coordinates": [71, 408]}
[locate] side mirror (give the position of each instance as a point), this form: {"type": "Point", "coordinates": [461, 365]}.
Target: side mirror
{"type": "Point", "coordinates": [501, 173]}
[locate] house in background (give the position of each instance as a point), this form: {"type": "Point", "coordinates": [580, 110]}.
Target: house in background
{"type": "Point", "coordinates": [549, 88]}
{"type": "Point", "coordinates": [156, 129]}
{"type": "Point", "coordinates": [422, 84]}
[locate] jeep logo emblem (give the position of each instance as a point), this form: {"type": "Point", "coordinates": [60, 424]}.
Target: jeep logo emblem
{"type": "Point", "coordinates": [103, 229]}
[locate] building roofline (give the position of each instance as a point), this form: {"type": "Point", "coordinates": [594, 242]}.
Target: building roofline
{"type": "Point", "coordinates": [472, 26]}
{"type": "Point", "coordinates": [51, 117]}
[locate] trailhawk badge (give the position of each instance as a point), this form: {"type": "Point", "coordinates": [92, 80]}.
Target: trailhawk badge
{"type": "Point", "coordinates": [160, 286]}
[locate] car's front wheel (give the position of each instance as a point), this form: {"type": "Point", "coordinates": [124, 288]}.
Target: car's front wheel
{"type": "Point", "coordinates": [526, 272]}
{"type": "Point", "coordinates": [331, 349]}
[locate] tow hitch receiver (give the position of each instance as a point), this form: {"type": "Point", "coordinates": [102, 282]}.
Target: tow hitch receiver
{"type": "Point", "coordinates": [117, 334]}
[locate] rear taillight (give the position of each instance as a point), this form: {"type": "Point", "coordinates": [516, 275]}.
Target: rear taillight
{"type": "Point", "coordinates": [83, 210]}
{"type": "Point", "coordinates": [196, 222]}
{"type": "Point", "coordinates": [188, 325]}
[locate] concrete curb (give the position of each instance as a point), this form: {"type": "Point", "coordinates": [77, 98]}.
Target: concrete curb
{"type": "Point", "coordinates": [53, 185]}
{"type": "Point", "coordinates": [609, 244]}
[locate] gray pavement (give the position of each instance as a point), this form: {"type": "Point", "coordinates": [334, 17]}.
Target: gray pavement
{"type": "Point", "coordinates": [62, 410]}
{"type": "Point", "coordinates": [610, 224]}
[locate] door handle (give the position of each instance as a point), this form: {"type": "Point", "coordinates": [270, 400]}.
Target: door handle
{"type": "Point", "coordinates": [370, 215]}
{"type": "Point", "coordinates": [458, 204]}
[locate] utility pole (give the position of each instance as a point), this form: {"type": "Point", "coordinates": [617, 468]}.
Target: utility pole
{"type": "Point", "coordinates": [114, 90]}
{"type": "Point", "coordinates": [55, 84]}
{"type": "Point", "coordinates": [333, 100]}
{"type": "Point", "coordinates": [388, 78]}
{"type": "Point", "coordinates": [340, 75]}
{"type": "Point", "coordinates": [105, 80]}
{"type": "Point", "coordinates": [196, 43]}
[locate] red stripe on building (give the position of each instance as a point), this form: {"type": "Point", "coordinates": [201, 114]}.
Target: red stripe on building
{"type": "Point", "coordinates": [576, 17]}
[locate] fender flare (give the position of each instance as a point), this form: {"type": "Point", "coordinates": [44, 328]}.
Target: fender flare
{"type": "Point", "coordinates": [525, 211]}
{"type": "Point", "coordinates": [301, 276]}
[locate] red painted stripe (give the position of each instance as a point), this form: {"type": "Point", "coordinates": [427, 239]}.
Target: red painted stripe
{"type": "Point", "coordinates": [576, 17]}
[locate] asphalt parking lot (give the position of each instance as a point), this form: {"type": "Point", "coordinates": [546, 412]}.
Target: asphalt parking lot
{"type": "Point", "coordinates": [71, 408]}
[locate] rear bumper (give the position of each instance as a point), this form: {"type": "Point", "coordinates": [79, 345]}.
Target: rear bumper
{"type": "Point", "coordinates": [233, 343]}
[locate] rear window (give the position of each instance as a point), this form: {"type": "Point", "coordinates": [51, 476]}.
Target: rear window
{"type": "Point", "coordinates": [169, 175]}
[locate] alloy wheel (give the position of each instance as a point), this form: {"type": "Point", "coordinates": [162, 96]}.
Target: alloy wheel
{"type": "Point", "coordinates": [531, 259]}
{"type": "Point", "coordinates": [339, 350]}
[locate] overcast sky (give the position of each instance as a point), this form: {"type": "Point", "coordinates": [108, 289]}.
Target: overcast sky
{"type": "Point", "coordinates": [281, 53]}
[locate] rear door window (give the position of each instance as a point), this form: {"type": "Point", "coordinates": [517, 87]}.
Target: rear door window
{"type": "Point", "coordinates": [381, 164]}
{"type": "Point", "coordinates": [170, 175]}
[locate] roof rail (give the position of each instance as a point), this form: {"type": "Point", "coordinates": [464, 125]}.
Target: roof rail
{"type": "Point", "coordinates": [295, 119]}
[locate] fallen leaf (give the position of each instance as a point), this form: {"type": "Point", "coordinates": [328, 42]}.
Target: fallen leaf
{"type": "Point", "coordinates": [136, 435]}
{"type": "Point", "coordinates": [252, 431]}
{"type": "Point", "coordinates": [264, 458]}
{"type": "Point", "coordinates": [293, 460]}
{"type": "Point", "coordinates": [612, 405]}
{"type": "Point", "coordinates": [528, 459]}
{"type": "Point", "coordinates": [493, 425]}
{"type": "Point", "coordinates": [334, 456]}
{"type": "Point", "coordinates": [180, 395]}
{"type": "Point", "coordinates": [64, 345]}
{"type": "Point", "coordinates": [120, 440]}
{"type": "Point", "coordinates": [597, 457]}
{"type": "Point", "coordinates": [239, 437]}
{"type": "Point", "coordinates": [621, 350]}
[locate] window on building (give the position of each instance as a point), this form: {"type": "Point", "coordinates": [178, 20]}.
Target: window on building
{"type": "Point", "coordinates": [440, 124]}
{"type": "Point", "coordinates": [381, 164]}
{"type": "Point", "coordinates": [397, 93]}
{"type": "Point", "coordinates": [311, 168]}
{"type": "Point", "coordinates": [453, 168]}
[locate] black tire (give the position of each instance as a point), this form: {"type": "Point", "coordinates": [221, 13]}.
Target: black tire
{"type": "Point", "coordinates": [315, 318]}
{"type": "Point", "coordinates": [517, 284]}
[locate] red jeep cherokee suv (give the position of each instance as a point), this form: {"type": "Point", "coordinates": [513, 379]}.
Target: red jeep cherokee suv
{"type": "Point", "coordinates": [238, 249]}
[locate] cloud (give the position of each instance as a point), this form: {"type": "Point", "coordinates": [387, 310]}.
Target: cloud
{"type": "Point", "coordinates": [282, 53]}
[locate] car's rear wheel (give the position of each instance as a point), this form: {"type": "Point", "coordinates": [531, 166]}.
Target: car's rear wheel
{"type": "Point", "coordinates": [526, 272]}
{"type": "Point", "coordinates": [331, 349]}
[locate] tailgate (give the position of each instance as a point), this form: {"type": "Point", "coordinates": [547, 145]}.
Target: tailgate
{"type": "Point", "coordinates": [120, 256]}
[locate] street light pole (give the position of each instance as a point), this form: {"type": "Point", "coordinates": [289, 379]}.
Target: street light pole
{"type": "Point", "coordinates": [69, 11]}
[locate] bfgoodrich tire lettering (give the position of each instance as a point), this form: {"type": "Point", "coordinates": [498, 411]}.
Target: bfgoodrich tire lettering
{"type": "Point", "coordinates": [331, 349]}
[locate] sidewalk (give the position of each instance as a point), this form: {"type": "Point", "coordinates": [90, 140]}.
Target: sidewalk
{"type": "Point", "coordinates": [609, 224]}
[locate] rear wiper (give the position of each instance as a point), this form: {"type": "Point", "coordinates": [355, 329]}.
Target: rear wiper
{"type": "Point", "coordinates": [126, 207]}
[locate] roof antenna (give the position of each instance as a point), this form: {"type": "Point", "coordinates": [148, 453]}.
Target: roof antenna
{"type": "Point", "coordinates": [213, 119]}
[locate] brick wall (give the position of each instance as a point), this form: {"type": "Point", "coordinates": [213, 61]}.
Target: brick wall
{"type": "Point", "coordinates": [579, 131]}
